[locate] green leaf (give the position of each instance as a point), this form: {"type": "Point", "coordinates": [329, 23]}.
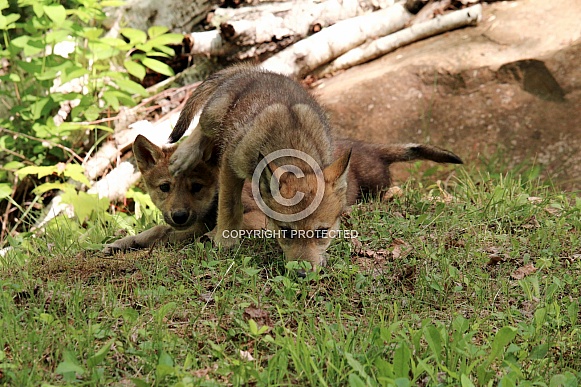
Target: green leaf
{"type": "Point", "coordinates": [510, 379]}
{"type": "Point", "coordinates": [164, 365]}
{"type": "Point", "coordinates": [130, 87]}
{"type": "Point", "coordinates": [165, 359]}
{"type": "Point", "coordinates": [158, 67]}
{"type": "Point", "coordinates": [92, 112]}
{"type": "Point", "coordinates": [502, 338]}
{"type": "Point", "coordinates": [540, 351]}
{"type": "Point", "coordinates": [116, 42]}
{"type": "Point", "coordinates": [85, 204]}
{"type": "Point", "coordinates": [28, 45]}
{"type": "Point", "coordinates": [13, 165]}
{"type": "Point", "coordinates": [7, 22]}
{"type": "Point", "coordinates": [154, 54]}
{"type": "Point", "coordinates": [38, 8]}
{"type": "Point", "coordinates": [253, 327]}
{"type": "Point", "coordinates": [37, 170]}
{"type": "Point", "coordinates": [40, 107]}
{"type": "Point", "coordinates": [123, 98]}
{"type": "Point", "coordinates": [156, 31]}
{"type": "Point", "coordinates": [139, 382]}
{"type": "Point", "coordinates": [5, 190]}
{"type": "Point", "coordinates": [49, 186]}
{"type": "Point", "coordinates": [76, 172]}
{"type": "Point", "coordinates": [166, 52]}
{"type": "Point", "coordinates": [56, 13]}
{"type": "Point", "coordinates": [57, 36]}
{"type": "Point", "coordinates": [357, 366]}
{"type": "Point", "coordinates": [112, 3]}
{"type": "Point", "coordinates": [401, 360]}
{"type": "Point", "coordinates": [73, 73]}
{"type": "Point", "coordinates": [432, 336]}
{"type": "Point", "coordinates": [356, 381]}
{"type": "Point", "coordinates": [135, 36]}
{"type": "Point", "coordinates": [130, 315]}
{"type": "Point", "coordinates": [94, 34]}
{"type": "Point", "coordinates": [466, 382]}
{"type": "Point", "coordinates": [166, 39]}
{"type": "Point", "coordinates": [69, 367]}
{"type": "Point", "coordinates": [135, 69]}
{"type": "Point", "coordinates": [402, 382]}
{"type": "Point", "coordinates": [97, 358]}
{"type": "Point", "coordinates": [100, 51]}
{"type": "Point", "coordinates": [566, 379]}
{"type": "Point", "coordinates": [573, 312]}
{"type": "Point", "coordinates": [111, 99]}
{"type": "Point", "coordinates": [165, 310]}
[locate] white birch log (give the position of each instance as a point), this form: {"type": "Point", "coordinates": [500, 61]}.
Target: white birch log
{"type": "Point", "coordinates": [316, 50]}
{"type": "Point", "coordinates": [382, 46]}
{"type": "Point", "coordinates": [209, 43]}
{"type": "Point", "coordinates": [252, 31]}
{"type": "Point", "coordinates": [293, 20]}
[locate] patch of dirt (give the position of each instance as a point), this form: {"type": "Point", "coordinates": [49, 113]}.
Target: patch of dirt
{"type": "Point", "coordinates": [512, 83]}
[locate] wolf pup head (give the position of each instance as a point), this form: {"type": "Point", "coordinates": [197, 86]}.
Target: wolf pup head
{"type": "Point", "coordinates": [304, 223]}
{"type": "Point", "coordinates": [184, 201]}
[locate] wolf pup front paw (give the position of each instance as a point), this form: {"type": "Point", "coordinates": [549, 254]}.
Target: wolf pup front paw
{"type": "Point", "coordinates": [121, 245]}
{"type": "Point", "coordinates": [225, 239]}
{"type": "Point", "coordinates": [183, 159]}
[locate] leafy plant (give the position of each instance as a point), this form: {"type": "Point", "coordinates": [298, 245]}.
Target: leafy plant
{"type": "Point", "coordinates": [60, 74]}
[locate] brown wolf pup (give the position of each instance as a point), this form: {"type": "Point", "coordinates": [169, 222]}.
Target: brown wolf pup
{"type": "Point", "coordinates": [251, 115]}
{"type": "Point", "coordinates": [188, 202]}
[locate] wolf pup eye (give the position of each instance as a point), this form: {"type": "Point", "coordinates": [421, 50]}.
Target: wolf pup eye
{"type": "Point", "coordinates": [196, 187]}
{"type": "Point", "coordinates": [164, 187]}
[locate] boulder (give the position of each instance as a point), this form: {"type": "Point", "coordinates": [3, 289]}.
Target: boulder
{"type": "Point", "coordinates": [512, 84]}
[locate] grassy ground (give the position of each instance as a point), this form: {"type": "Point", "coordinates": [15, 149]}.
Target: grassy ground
{"type": "Point", "coordinates": [474, 282]}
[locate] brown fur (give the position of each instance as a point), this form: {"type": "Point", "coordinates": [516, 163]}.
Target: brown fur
{"type": "Point", "coordinates": [369, 168]}
{"type": "Point", "coordinates": [188, 203]}
{"type": "Point", "coordinates": [368, 173]}
{"type": "Point", "coordinates": [248, 113]}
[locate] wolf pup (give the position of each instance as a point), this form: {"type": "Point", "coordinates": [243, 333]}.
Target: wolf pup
{"type": "Point", "coordinates": [190, 201]}
{"type": "Point", "coordinates": [266, 120]}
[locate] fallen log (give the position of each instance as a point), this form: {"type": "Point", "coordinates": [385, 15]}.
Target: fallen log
{"type": "Point", "coordinates": [316, 50]}
{"type": "Point", "coordinates": [249, 32]}
{"type": "Point", "coordinates": [382, 46]}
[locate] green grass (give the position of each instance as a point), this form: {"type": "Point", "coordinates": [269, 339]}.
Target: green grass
{"type": "Point", "coordinates": [428, 298]}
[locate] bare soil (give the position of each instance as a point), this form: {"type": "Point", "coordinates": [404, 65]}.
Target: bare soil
{"type": "Point", "coordinates": [512, 83]}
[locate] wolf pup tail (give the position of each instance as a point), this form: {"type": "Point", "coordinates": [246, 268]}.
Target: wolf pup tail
{"type": "Point", "coordinates": [408, 152]}
{"type": "Point", "coordinates": [200, 97]}
{"type": "Point", "coordinates": [393, 153]}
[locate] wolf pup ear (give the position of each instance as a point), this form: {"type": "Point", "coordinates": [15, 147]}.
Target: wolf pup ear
{"type": "Point", "coordinates": [147, 154]}
{"type": "Point", "coordinates": [337, 172]}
